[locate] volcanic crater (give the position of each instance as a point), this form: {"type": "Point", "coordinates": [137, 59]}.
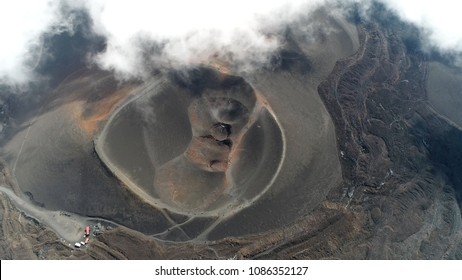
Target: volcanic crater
{"type": "Point", "coordinates": [198, 175]}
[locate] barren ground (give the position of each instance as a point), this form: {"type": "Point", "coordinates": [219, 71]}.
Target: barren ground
{"type": "Point", "coordinates": [396, 194]}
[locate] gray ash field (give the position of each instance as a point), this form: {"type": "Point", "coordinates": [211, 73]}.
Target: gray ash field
{"type": "Point", "coordinates": [341, 147]}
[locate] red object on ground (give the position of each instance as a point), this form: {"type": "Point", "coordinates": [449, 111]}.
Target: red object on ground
{"type": "Point", "coordinates": [87, 230]}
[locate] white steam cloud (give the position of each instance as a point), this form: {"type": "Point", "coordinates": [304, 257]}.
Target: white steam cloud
{"type": "Point", "coordinates": [21, 25]}
{"type": "Point", "coordinates": [179, 32]}
{"type": "Point", "coordinates": [189, 31]}
{"type": "Point", "coordinates": [439, 20]}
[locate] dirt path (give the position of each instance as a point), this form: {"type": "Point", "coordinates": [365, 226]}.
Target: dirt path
{"type": "Point", "coordinates": [68, 226]}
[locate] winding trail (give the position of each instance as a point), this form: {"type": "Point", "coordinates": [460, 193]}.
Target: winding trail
{"type": "Point", "coordinates": [223, 212]}
{"type": "Point", "coordinates": [22, 145]}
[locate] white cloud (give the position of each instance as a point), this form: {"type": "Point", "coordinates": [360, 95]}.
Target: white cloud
{"type": "Point", "coordinates": [440, 20]}
{"type": "Point", "coordinates": [189, 31]}
{"type": "Point", "coordinates": [21, 24]}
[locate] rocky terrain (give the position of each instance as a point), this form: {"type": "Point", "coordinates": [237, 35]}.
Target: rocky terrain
{"type": "Point", "coordinates": [400, 193]}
